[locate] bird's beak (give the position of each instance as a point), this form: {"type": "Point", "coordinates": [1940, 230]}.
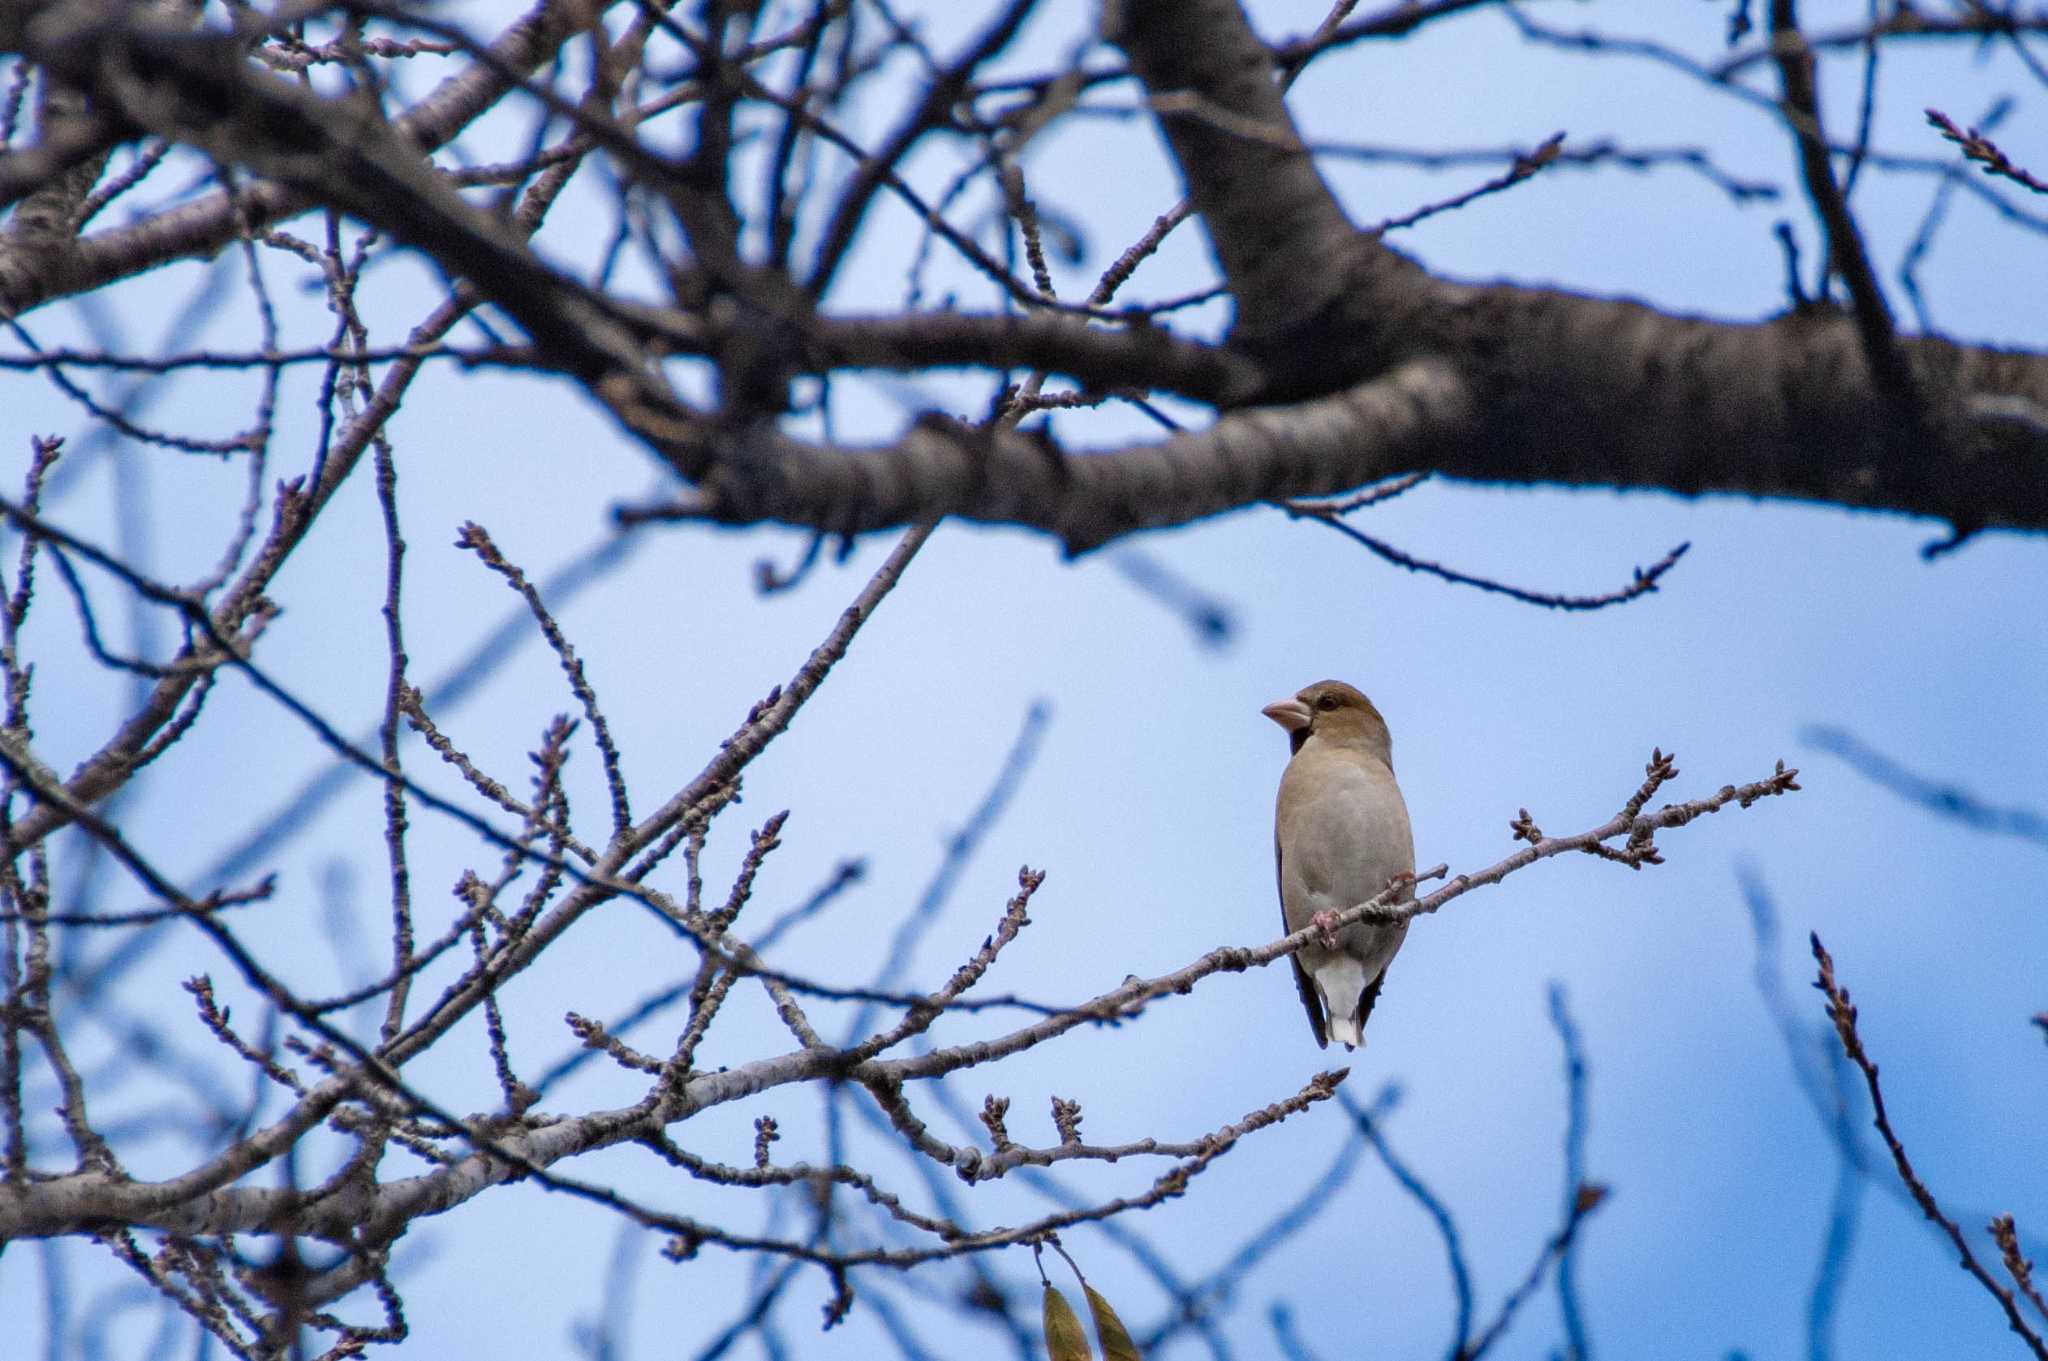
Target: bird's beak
{"type": "Point", "coordinates": [1290, 714]}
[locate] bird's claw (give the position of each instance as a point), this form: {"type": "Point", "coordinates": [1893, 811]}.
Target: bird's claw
{"type": "Point", "coordinates": [1325, 924]}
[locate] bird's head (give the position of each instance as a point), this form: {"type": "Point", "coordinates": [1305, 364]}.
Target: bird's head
{"type": "Point", "coordinates": [1333, 712]}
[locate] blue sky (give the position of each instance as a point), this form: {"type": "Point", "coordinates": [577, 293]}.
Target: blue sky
{"type": "Point", "coordinates": [1149, 801]}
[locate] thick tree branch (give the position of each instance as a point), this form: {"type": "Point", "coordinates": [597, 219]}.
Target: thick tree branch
{"type": "Point", "coordinates": [31, 277]}
{"type": "Point", "coordinates": [1257, 191]}
{"type": "Point", "coordinates": [1097, 357]}
{"type": "Point", "coordinates": [1019, 477]}
{"type": "Point", "coordinates": [199, 89]}
{"type": "Point", "coordinates": [1533, 387]}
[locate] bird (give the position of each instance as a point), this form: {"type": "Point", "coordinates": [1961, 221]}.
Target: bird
{"type": "Point", "coordinates": [1340, 838]}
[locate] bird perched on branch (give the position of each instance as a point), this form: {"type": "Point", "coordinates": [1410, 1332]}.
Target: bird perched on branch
{"type": "Point", "coordinates": [1340, 838]}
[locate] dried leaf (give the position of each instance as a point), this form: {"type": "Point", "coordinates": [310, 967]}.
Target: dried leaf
{"type": "Point", "coordinates": [1064, 1338]}
{"type": "Point", "coordinates": [1109, 1329]}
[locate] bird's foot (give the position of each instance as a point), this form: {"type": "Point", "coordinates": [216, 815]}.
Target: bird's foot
{"type": "Point", "coordinates": [1325, 924]}
{"type": "Point", "coordinates": [1404, 879]}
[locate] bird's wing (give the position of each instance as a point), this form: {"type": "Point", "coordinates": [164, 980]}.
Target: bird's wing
{"type": "Point", "coordinates": [1307, 988]}
{"type": "Point", "coordinates": [1303, 984]}
{"type": "Point", "coordinates": [1372, 995]}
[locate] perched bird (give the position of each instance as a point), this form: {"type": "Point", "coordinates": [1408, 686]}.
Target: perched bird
{"type": "Point", "coordinates": [1340, 838]}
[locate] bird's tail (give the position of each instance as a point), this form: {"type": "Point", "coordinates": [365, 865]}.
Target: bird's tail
{"type": "Point", "coordinates": [1347, 1026]}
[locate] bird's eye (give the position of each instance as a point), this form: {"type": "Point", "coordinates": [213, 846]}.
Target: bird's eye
{"type": "Point", "coordinates": [1327, 703]}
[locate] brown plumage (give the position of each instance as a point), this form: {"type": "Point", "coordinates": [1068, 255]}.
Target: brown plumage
{"type": "Point", "coordinates": [1340, 834]}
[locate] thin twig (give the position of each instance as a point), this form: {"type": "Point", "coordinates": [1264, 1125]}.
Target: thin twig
{"type": "Point", "coordinates": [1585, 1200]}
{"type": "Point", "coordinates": [1641, 583]}
{"type": "Point", "coordinates": [1981, 149]}
{"type": "Point", "coordinates": [1843, 1013]}
{"type": "Point", "coordinates": [1523, 167]}
{"type": "Point", "coordinates": [1889, 370]}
